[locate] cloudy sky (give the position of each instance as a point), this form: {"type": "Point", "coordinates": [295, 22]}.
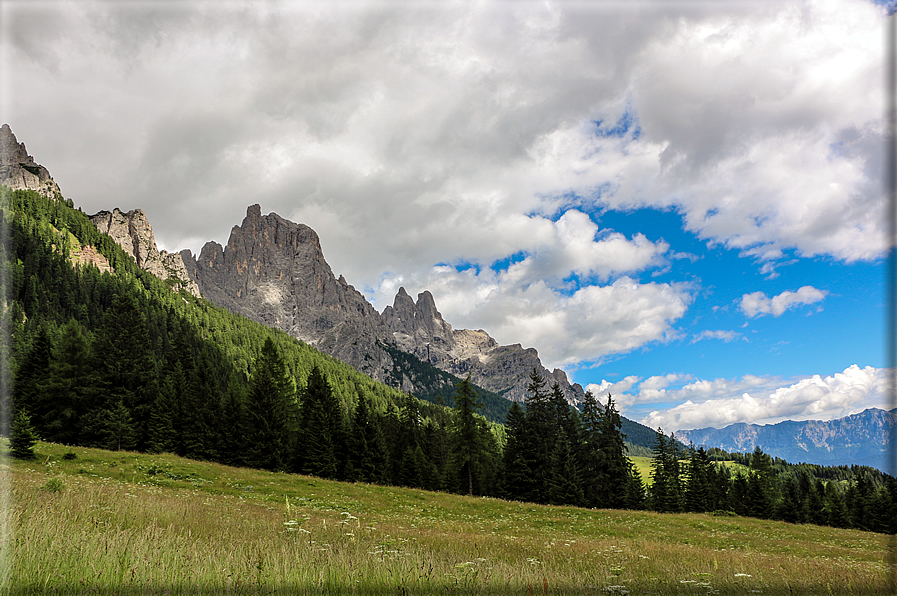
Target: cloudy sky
{"type": "Point", "coordinates": [677, 202]}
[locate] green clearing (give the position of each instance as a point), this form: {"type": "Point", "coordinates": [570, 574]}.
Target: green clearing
{"type": "Point", "coordinates": [102, 522]}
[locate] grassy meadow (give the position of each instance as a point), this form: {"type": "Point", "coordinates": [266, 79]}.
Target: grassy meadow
{"type": "Point", "coordinates": [88, 521]}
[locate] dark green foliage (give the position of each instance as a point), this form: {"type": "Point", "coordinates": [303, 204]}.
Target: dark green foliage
{"type": "Point", "coordinates": [366, 447]}
{"type": "Point", "coordinates": [118, 360]}
{"type": "Point", "coordinates": [517, 476]}
{"type": "Point", "coordinates": [321, 431]}
{"type": "Point", "coordinates": [270, 406]}
{"type": "Point", "coordinates": [666, 489]}
{"type": "Point", "coordinates": [67, 385]}
{"type": "Point", "coordinates": [467, 444]}
{"type": "Point", "coordinates": [474, 454]}
{"type": "Point", "coordinates": [22, 436]}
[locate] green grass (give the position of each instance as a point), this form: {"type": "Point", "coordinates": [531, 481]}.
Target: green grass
{"type": "Point", "coordinates": [113, 522]}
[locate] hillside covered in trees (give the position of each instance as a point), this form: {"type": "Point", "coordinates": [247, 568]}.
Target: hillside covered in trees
{"type": "Point", "coordinates": [114, 358]}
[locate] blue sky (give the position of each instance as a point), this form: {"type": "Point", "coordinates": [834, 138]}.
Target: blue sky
{"type": "Point", "coordinates": [680, 203]}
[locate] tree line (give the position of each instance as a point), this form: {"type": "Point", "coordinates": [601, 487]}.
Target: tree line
{"type": "Point", "coordinates": [698, 480]}
{"type": "Point", "coordinates": [118, 360]}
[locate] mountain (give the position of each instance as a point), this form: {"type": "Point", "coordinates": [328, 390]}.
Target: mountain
{"type": "Point", "coordinates": [134, 235]}
{"type": "Point", "coordinates": [273, 271]}
{"type": "Point", "coordinates": [18, 170]}
{"type": "Point", "coordinates": [861, 439]}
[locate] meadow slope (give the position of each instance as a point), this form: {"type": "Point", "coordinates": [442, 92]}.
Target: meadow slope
{"type": "Point", "coordinates": [88, 521]}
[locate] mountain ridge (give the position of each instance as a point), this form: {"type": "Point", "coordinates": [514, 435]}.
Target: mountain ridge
{"type": "Point", "coordinates": [273, 271]}
{"type": "Point", "coordinates": [861, 439]}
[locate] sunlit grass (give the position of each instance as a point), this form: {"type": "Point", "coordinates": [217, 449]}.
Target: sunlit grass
{"type": "Point", "coordinates": [107, 522]}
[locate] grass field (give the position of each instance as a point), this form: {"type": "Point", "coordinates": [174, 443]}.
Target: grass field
{"type": "Point", "coordinates": [105, 522]}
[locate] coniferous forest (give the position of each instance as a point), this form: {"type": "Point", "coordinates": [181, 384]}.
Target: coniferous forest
{"type": "Point", "coordinates": [118, 360]}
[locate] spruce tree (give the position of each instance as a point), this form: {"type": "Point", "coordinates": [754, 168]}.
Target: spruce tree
{"type": "Point", "coordinates": [698, 473]}
{"type": "Point", "coordinates": [541, 436]}
{"type": "Point", "coordinates": [67, 382]}
{"type": "Point", "coordinates": [268, 440]}
{"type": "Point", "coordinates": [666, 488]}
{"type": "Point", "coordinates": [565, 487]}
{"type": "Point", "coordinates": [517, 476]}
{"type": "Point", "coordinates": [22, 436]}
{"type": "Point", "coordinates": [31, 375]}
{"type": "Point", "coordinates": [319, 420]}
{"type": "Point", "coordinates": [614, 465]}
{"type": "Point", "coordinates": [467, 445]}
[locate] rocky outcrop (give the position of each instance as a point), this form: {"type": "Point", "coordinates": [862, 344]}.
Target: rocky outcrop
{"type": "Point", "coordinates": [134, 235]}
{"type": "Point", "coordinates": [18, 170]}
{"type": "Point", "coordinates": [418, 328]}
{"type": "Point", "coordinates": [273, 271]}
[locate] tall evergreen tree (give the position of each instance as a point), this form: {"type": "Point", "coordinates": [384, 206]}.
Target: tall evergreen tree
{"type": "Point", "coordinates": [666, 488]}
{"type": "Point", "coordinates": [320, 420]}
{"type": "Point", "coordinates": [124, 374]}
{"type": "Point", "coordinates": [541, 437]}
{"type": "Point", "coordinates": [268, 437]}
{"type": "Point", "coordinates": [467, 445]}
{"type": "Point", "coordinates": [761, 496]}
{"type": "Point", "coordinates": [31, 374]}
{"type": "Point", "coordinates": [698, 480]}
{"type": "Point", "coordinates": [367, 450]}
{"type": "Point", "coordinates": [67, 382]}
{"type": "Point", "coordinates": [565, 486]}
{"type": "Point", "coordinates": [517, 476]}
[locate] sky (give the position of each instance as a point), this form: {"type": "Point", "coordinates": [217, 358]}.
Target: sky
{"type": "Point", "coordinates": [678, 203]}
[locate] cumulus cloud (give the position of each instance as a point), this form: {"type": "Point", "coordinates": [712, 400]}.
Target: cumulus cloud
{"type": "Point", "coordinates": [758, 304]}
{"type": "Point", "coordinates": [723, 402]}
{"type": "Point", "coordinates": [419, 139]}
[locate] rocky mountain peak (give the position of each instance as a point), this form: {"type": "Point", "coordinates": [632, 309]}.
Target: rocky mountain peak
{"type": "Point", "coordinates": [18, 170]}
{"type": "Point", "coordinates": [134, 234]}
{"type": "Point", "coordinates": [273, 271]}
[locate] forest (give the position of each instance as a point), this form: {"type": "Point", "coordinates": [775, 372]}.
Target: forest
{"type": "Point", "coordinates": [120, 361]}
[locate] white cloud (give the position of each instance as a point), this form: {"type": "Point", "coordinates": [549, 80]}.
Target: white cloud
{"type": "Point", "coordinates": [723, 402]}
{"type": "Point", "coordinates": [600, 390]}
{"type": "Point", "coordinates": [725, 336]}
{"type": "Point", "coordinates": [409, 136]}
{"type": "Point", "coordinates": [758, 303]}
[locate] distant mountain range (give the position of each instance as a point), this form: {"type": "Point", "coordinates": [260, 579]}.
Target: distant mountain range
{"type": "Point", "coordinates": [861, 439]}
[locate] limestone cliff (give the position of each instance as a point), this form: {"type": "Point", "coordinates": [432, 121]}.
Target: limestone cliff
{"type": "Point", "coordinates": [18, 170]}
{"type": "Point", "coordinates": [273, 271]}
{"type": "Point", "coordinates": [418, 328]}
{"type": "Point", "coordinates": [134, 234]}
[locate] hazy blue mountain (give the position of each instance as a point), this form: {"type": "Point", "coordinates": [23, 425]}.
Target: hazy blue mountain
{"type": "Point", "coordinates": [861, 439]}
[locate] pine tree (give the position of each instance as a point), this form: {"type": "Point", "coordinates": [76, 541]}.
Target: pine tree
{"type": "Point", "coordinates": [467, 445]}
{"type": "Point", "coordinates": [614, 465]}
{"type": "Point", "coordinates": [22, 436]}
{"type": "Point", "coordinates": [666, 488]}
{"type": "Point", "coordinates": [268, 440]}
{"type": "Point", "coordinates": [760, 498]}
{"type": "Point", "coordinates": [162, 429]}
{"type": "Point", "coordinates": [319, 423]}
{"type": "Point", "coordinates": [697, 490]}
{"type": "Point", "coordinates": [123, 371]}
{"type": "Point", "coordinates": [541, 436]}
{"type": "Point", "coordinates": [67, 382]}
{"type": "Point", "coordinates": [31, 374]}
{"type": "Point", "coordinates": [565, 487]}
{"type": "Point", "coordinates": [517, 476]}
